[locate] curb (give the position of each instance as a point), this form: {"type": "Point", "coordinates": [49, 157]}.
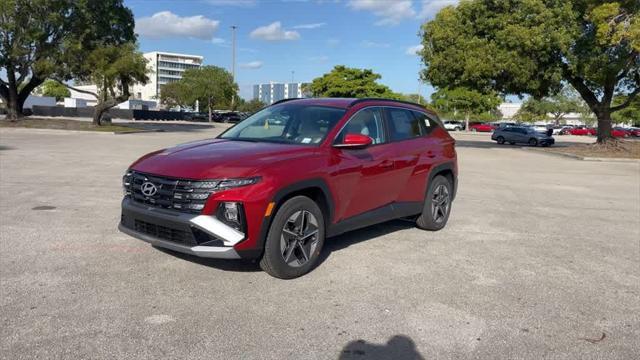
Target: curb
{"type": "Point", "coordinates": [583, 158]}
{"type": "Point", "coordinates": [138, 131]}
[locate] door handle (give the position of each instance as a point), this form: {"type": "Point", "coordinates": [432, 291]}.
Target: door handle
{"type": "Point", "coordinates": [430, 154]}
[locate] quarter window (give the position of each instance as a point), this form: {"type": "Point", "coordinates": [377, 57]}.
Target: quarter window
{"type": "Point", "coordinates": [366, 122]}
{"type": "Point", "coordinates": [403, 125]}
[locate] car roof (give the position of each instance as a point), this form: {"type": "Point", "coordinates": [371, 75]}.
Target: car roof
{"type": "Point", "coordinates": [346, 103]}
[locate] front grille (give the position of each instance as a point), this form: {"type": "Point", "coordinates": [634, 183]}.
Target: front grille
{"type": "Point", "coordinates": [163, 232]}
{"type": "Point", "coordinates": [177, 194]}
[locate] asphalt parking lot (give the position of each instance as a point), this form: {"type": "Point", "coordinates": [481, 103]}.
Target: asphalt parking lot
{"type": "Point", "coordinates": [540, 259]}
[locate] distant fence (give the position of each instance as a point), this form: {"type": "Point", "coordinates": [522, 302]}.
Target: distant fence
{"type": "Point", "coordinates": [114, 113]}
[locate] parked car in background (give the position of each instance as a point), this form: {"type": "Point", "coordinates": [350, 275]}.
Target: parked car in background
{"type": "Point", "coordinates": [453, 125]}
{"type": "Point", "coordinates": [540, 128]}
{"type": "Point", "coordinates": [562, 130]}
{"type": "Point", "coordinates": [274, 193]}
{"type": "Point", "coordinates": [634, 131]}
{"type": "Point", "coordinates": [481, 127]}
{"type": "Point", "coordinates": [229, 117]}
{"type": "Point", "coordinates": [620, 132]}
{"type": "Point", "coordinates": [203, 116]}
{"type": "Point", "coordinates": [521, 135]}
{"type": "Point", "coordinates": [582, 131]}
{"type": "Point", "coordinates": [504, 124]}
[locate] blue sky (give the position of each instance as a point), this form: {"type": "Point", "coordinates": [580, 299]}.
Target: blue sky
{"type": "Point", "coordinates": [276, 37]}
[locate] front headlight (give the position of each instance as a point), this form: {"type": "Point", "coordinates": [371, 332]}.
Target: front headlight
{"type": "Point", "coordinates": [126, 183]}
{"type": "Point", "coordinates": [235, 183]}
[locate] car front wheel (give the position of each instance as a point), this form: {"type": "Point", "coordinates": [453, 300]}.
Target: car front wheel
{"type": "Point", "coordinates": [500, 140]}
{"type": "Point", "coordinates": [295, 239]}
{"type": "Point", "coordinates": [533, 142]}
{"type": "Point", "coordinates": [437, 205]}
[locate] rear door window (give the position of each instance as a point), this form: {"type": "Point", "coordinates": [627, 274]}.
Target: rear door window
{"type": "Point", "coordinates": [404, 125]}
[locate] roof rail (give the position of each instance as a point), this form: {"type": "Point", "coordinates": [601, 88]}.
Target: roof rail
{"type": "Point", "coordinates": [285, 100]}
{"type": "Point", "coordinates": [355, 102]}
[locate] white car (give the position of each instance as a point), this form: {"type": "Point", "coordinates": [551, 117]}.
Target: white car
{"type": "Point", "coordinates": [453, 125]}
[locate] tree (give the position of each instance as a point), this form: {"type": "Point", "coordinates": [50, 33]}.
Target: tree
{"type": "Point", "coordinates": [54, 89]}
{"type": "Point", "coordinates": [173, 94]}
{"type": "Point", "coordinates": [467, 103]}
{"type": "Point", "coordinates": [348, 82]}
{"type": "Point", "coordinates": [113, 69]}
{"type": "Point", "coordinates": [210, 85]}
{"type": "Point", "coordinates": [416, 98]}
{"type": "Point", "coordinates": [630, 115]}
{"type": "Point", "coordinates": [554, 107]}
{"type": "Point", "coordinates": [40, 39]}
{"type": "Point", "coordinates": [536, 46]}
{"type": "Point", "coordinates": [251, 106]}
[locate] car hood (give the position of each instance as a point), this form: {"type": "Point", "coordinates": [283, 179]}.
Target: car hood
{"type": "Point", "coordinates": [218, 159]}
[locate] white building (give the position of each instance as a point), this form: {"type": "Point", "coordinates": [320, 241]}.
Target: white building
{"type": "Point", "coordinates": [275, 91]}
{"type": "Point", "coordinates": [164, 68]}
{"type": "Point", "coordinates": [509, 110]}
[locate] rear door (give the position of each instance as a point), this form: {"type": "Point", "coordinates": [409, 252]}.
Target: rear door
{"type": "Point", "coordinates": [415, 151]}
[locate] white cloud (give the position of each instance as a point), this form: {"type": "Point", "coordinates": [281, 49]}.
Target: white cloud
{"type": "Point", "coordinates": [322, 58]}
{"type": "Point", "coordinates": [218, 41]}
{"type": "Point", "coordinates": [310, 26]}
{"type": "Point", "coordinates": [242, 3]}
{"type": "Point", "coordinates": [274, 32]}
{"type": "Point", "coordinates": [431, 7]}
{"type": "Point", "coordinates": [389, 12]}
{"type": "Point", "coordinates": [167, 24]}
{"type": "Point", "coordinates": [252, 65]}
{"type": "Point", "coordinates": [373, 44]}
{"type": "Point", "coordinates": [413, 50]}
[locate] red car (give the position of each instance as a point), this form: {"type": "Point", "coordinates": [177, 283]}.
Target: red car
{"type": "Point", "coordinates": [634, 132]}
{"type": "Point", "coordinates": [274, 190]}
{"type": "Point", "coordinates": [482, 127]}
{"type": "Point", "coordinates": [620, 132]}
{"type": "Point", "coordinates": [581, 131]}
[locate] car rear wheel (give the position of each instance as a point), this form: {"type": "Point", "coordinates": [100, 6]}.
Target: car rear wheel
{"type": "Point", "coordinates": [437, 205]}
{"type": "Point", "coordinates": [533, 142]}
{"type": "Point", "coordinates": [457, 128]}
{"type": "Point", "coordinates": [295, 239]}
{"type": "Point", "coordinates": [500, 140]}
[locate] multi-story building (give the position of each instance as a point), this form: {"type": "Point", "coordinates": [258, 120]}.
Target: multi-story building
{"type": "Point", "coordinates": [274, 91]}
{"type": "Point", "coordinates": [165, 68]}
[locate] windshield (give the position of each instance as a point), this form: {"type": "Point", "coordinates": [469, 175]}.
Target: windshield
{"type": "Point", "coordinates": [287, 124]}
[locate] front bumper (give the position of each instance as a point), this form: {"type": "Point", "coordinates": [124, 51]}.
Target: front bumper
{"type": "Point", "coordinates": [199, 235]}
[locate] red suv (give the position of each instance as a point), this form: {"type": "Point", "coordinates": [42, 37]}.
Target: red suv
{"type": "Point", "coordinates": [274, 186]}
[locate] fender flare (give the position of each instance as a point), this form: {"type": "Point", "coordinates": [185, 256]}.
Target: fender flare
{"type": "Point", "coordinates": [449, 165]}
{"type": "Point", "coordinates": [288, 190]}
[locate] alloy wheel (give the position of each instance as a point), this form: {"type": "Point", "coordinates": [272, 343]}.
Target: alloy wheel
{"type": "Point", "coordinates": [440, 203]}
{"type": "Point", "coordinates": [299, 238]}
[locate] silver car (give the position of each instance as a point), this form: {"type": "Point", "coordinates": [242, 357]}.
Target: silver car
{"type": "Point", "coordinates": [522, 135]}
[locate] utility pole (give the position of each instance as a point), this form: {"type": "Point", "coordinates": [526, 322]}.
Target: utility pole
{"type": "Point", "coordinates": [293, 72]}
{"type": "Point", "coordinates": [233, 60]}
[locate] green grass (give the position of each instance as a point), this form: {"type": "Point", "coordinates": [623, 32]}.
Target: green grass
{"type": "Point", "coordinates": [63, 124]}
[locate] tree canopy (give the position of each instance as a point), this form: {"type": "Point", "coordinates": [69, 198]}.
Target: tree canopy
{"type": "Point", "coordinates": [250, 106]}
{"type": "Point", "coordinates": [536, 46]}
{"type": "Point", "coordinates": [54, 89]}
{"type": "Point", "coordinates": [113, 68]}
{"type": "Point", "coordinates": [52, 38]}
{"type": "Point", "coordinates": [211, 86]}
{"type": "Point", "coordinates": [554, 107]}
{"type": "Point", "coordinates": [462, 103]}
{"type": "Point", "coordinates": [348, 82]}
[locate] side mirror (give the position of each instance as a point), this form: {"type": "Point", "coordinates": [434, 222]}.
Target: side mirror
{"type": "Point", "coordinates": [354, 141]}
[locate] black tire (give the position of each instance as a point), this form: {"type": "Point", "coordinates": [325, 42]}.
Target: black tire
{"type": "Point", "coordinates": [533, 142]}
{"type": "Point", "coordinates": [500, 140]}
{"type": "Point", "coordinates": [273, 261]}
{"type": "Point", "coordinates": [457, 128]}
{"type": "Point", "coordinates": [432, 219]}
{"type": "Point", "coordinates": [512, 142]}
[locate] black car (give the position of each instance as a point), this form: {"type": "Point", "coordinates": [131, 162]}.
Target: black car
{"type": "Point", "coordinates": [229, 117]}
{"type": "Point", "coordinates": [522, 135]}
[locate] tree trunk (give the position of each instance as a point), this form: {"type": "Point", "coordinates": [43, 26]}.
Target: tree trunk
{"type": "Point", "coordinates": [466, 122]}
{"type": "Point", "coordinates": [209, 107]}
{"type": "Point", "coordinates": [604, 126]}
